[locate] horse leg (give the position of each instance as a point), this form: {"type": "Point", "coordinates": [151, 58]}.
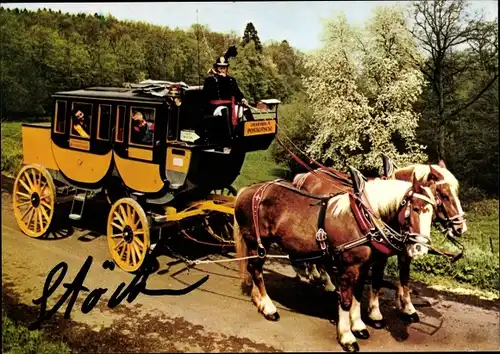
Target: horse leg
{"type": "Point", "coordinates": [375, 315]}
{"type": "Point", "coordinates": [358, 327]}
{"type": "Point", "coordinates": [259, 294]}
{"type": "Point", "coordinates": [403, 298]}
{"type": "Point", "coordinates": [346, 288]}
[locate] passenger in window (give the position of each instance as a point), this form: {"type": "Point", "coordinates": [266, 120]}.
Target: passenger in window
{"type": "Point", "coordinates": [79, 124]}
{"type": "Point", "coordinates": [142, 130]}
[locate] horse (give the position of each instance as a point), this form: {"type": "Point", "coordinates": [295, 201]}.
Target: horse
{"type": "Point", "coordinates": [305, 225]}
{"type": "Point", "coordinates": [449, 213]}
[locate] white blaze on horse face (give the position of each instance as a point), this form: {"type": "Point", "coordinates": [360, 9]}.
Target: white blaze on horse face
{"type": "Point", "coordinates": [425, 220]}
{"type": "Point", "coordinates": [459, 209]}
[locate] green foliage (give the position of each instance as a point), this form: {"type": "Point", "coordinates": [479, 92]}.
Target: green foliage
{"type": "Point", "coordinates": [459, 105]}
{"type": "Point", "coordinates": [44, 52]}
{"type": "Point", "coordinates": [250, 35]}
{"type": "Point", "coordinates": [295, 122]}
{"type": "Point", "coordinates": [12, 150]}
{"type": "Point", "coordinates": [363, 85]}
{"type": "Point", "coordinates": [17, 339]}
{"type": "Point", "coordinates": [259, 166]}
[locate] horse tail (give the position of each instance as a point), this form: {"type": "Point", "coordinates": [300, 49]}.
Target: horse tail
{"type": "Point", "coordinates": [242, 252]}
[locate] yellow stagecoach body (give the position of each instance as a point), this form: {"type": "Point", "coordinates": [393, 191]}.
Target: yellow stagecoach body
{"type": "Point", "coordinates": [188, 155]}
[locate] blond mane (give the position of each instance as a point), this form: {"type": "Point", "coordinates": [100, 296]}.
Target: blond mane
{"type": "Point", "coordinates": [384, 197]}
{"type": "Point", "coordinates": [422, 172]}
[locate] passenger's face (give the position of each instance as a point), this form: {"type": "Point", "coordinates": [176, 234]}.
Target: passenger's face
{"type": "Point", "coordinates": [80, 116]}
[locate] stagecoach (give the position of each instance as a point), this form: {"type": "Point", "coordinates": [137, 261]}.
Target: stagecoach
{"type": "Point", "coordinates": [186, 169]}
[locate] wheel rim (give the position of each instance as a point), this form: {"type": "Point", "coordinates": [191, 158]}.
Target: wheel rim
{"type": "Point", "coordinates": [220, 227]}
{"type": "Point", "coordinates": [128, 234]}
{"type": "Point", "coordinates": [33, 200]}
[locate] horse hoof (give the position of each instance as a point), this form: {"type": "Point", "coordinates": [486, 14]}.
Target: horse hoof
{"type": "Point", "coordinates": [378, 324]}
{"type": "Point", "coordinates": [413, 318]}
{"type": "Point", "coordinates": [350, 347]}
{"type": "Point", "coordinates": [363, 334]}
{"type": "Point", "coordinates": [273, 317]}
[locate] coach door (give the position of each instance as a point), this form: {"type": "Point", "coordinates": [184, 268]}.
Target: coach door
{"type": "Point", "coordinates": [136, 136]}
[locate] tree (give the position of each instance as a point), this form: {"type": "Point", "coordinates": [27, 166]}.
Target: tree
{"type": "Point", "coordinates": [362, 87]}
{"type": "Point", "coordinates": [251, 34]}
{"type": "Point", "coordinates": [442, 27]}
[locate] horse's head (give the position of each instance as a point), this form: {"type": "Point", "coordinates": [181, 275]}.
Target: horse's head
{"type": "Point", "coordinates": [415, 217]}
{"type": "Point", "coordinates": [445, 189]}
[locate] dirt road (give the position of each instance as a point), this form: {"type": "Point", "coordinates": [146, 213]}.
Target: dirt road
{"type": "Point", "coordinates": [216, 316]}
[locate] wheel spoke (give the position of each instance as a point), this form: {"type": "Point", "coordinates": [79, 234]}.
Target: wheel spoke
{"type": "Point", "coordinates": [119, 243]}
{"type": "Point", "coordinates": [45, 204]}
{"type": "Point", "coordinates": [123, 214]}
{"type": "Point", "coordinates": [139, 232]}
{"type": "Point", "coordinates": [137, 223]}
{"type": "Point", "coordinates": [118, 217]}
{"type": "Point", "coordinates": [119, 227]}
{"type": "Point", "coordinates": [30, 208]}
{"type": "Point", "coordinates": [44, 213]}
{"type": "Point", "coordinates": [117, 235]}
{"type": "Point", "coordinates": [26, 187]}
{"type": "Point", "coordinates": [40, 219]}
{"type": "Point", "coordinates": [24, 203]}
{"type": "Point", "coordinates": [122, 252]}
{"type": "Point", "coordinates": [138, 241]}
{"type": "Point", "coordinates": [35, 178]}
{"type": "Point", "coordinates": [133, 256]}
{"type": "Point", "coordinates": [28, 179]}
{"type": "Point", "coordinates": [35, 221]}
{"type": "Point", "coordinates": [27, 196]}
{"type": "Point", "coordinates": [137, 251]}
{"type": "Point", "coordinates": [128, 253]}
{"type": "Point", "coordinates": [40, 179]}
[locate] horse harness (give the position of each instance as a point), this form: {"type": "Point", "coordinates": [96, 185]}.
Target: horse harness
{"type": "Point", "coordinates": [382, 238]}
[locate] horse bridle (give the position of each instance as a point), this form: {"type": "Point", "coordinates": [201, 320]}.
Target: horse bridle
{"type": "Point", "coordinates": [448, 223]}
{"type": "Point", "coordinates": [398, 240]}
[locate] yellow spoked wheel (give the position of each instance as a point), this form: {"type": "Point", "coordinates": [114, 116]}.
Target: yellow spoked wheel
{"type": "Point", "coordinates": [128, 234]}
{"type": "Point", "coordinates": [34, 197]}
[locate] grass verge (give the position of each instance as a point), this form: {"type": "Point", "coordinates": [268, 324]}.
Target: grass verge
{"type": "Point", "coordinates": [17, 339]}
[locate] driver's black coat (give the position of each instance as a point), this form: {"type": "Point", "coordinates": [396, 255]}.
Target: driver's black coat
{"type": "Point", "coordinates": [218, 87]}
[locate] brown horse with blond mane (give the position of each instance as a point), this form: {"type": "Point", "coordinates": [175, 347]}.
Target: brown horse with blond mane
{"type": "Point", "coordinates": [448, 212]}
{"type": "Point", "coordinates": [330, 230]}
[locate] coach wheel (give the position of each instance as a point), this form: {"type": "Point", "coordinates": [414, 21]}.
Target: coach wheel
{"type": "Point", "coordinates": [128, 234]}
{"type": "Point", "coordinates": [34, 196]}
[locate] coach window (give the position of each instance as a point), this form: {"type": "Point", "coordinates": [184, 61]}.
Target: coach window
{"type": "Point", "coordinates": [104, 122]}
{"type": "Point", "coordinates": [81, 119]}
{"type": "Point", "coordinates": [60, 115]}
{"type": "Point", "coordinates": [120, 123]}
{"type": "Point", "coordinates": [142, 126]}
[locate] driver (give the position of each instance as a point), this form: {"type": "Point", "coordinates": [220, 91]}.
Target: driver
{"type": "Point", "coordinates": [219, 87]}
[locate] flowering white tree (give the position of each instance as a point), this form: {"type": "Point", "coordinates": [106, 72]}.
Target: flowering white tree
{"type": "Point", "coordinates": [362, 87]}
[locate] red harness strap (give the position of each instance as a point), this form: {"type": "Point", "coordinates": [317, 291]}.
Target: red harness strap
{"type": "Point", "coordinates": [256, 199]}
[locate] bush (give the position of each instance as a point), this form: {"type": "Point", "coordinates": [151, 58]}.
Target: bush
{"type": "Point", "coordinates": [483, 208]}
